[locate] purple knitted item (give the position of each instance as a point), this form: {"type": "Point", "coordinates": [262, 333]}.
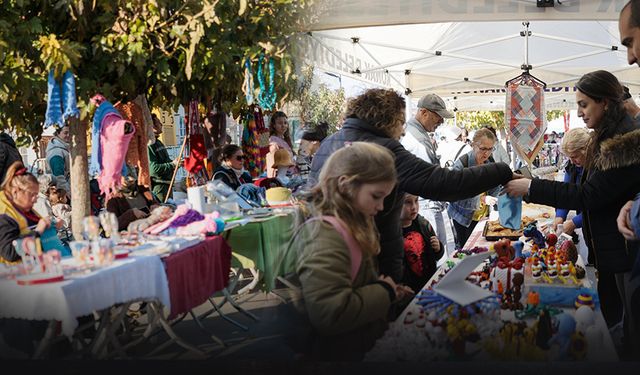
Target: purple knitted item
{"type": "Point", "coordinates": [189, 217]}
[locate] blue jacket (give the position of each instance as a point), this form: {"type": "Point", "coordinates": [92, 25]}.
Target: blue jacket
{"type": "Point", "coordinates": [415, 176]}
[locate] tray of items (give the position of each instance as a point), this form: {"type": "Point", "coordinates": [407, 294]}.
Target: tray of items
{"type": "Point", "coordinates": [493, 231]}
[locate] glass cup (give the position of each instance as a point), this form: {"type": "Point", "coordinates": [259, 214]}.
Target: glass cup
{"type": "Point", "coordinates": [81, 251]}
{"type": "Point", "coordinates": [103, 253]}
{"type": "Point", "coordinates": [91, 228]}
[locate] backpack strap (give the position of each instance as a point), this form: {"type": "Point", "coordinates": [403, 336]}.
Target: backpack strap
{"type": "Point", "coordinates": [352, 244]}
{"type": "Point", "coordinates": [458, 153]}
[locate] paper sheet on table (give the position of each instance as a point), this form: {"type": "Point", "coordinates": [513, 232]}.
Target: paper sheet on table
{"type": "Point", "coordinates": [454, 285]}
{"type": "Point", "coordinates": [510, 211]}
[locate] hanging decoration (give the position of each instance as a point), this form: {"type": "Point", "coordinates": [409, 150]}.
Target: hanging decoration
{"type": "Point", "coordinates": [197, 152]}
{"type": "Point", "coordinates": [255, 158]}
{"type": "Point", "coordinates": [266, 96]}
{"type": "Point", "coordinates": [525, 115]}
{"type": "Point", "coordinates": [61, 103]}
{"type": "Point", "coordinates": [247, 86]}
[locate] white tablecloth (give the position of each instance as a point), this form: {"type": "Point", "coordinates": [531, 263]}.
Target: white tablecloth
{"type": "Point", "coordinates": [132, 279]}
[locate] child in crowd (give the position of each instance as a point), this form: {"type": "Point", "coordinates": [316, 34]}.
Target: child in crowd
{"type": "Point", "coordinates": [422, 249]}
{"type": "Point", "coordinates": [346, 301]}
{"type": "Point", "coordinates": [60, 206]}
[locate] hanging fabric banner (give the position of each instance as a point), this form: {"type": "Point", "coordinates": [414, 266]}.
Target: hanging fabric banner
{"type": "Point", "coordinates": [525, 115]}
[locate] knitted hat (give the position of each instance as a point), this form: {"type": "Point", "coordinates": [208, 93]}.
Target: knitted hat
{"type": "Point", "coordinates": [282, 158]}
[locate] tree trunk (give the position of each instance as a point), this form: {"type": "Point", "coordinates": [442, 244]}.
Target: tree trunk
{"type": "Point", "coordinates": [79, 175]}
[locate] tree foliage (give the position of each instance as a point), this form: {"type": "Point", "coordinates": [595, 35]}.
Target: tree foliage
{"type": "Point", "coordinates": [477, 119]}
{"type": "Point", "coordinates": [319, 103]}
{"type": "Point", "coordinates": [173, 51]}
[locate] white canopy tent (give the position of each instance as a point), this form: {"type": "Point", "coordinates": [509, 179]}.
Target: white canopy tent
{"type": "Point", "coordinates": [466, 50]}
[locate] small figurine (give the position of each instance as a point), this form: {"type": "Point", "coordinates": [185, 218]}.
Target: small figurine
{"type": "Point", "coordinates": [532, 232]}
{"type": "Point", "coordinates": [585, 299]}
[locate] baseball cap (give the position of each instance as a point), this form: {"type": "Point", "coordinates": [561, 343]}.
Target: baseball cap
{"type": "Point", "coordinates": [434, 103]}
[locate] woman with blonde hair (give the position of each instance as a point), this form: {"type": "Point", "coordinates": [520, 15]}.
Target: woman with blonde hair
{"type": "Point", "coordinates": [346, 301]}
{"type": "Point", "coordinates": [574, 146]}
{"type": "Point", "coordinates": [377, 116]}
{"type": "Point", "coordinates": [19, 193]}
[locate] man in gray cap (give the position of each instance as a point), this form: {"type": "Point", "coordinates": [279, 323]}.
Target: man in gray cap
{"type": "Point", "coordinates": [417, 140]}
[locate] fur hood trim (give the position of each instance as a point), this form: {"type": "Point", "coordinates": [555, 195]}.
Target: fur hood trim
{"type": "Point", "coordinates": [620, 151]}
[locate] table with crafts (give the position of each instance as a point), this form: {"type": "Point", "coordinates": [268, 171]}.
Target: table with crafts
{"type": "Point", "coordinates": [176, 274]}
{"type": "Point", "coordinates": [506, 323]}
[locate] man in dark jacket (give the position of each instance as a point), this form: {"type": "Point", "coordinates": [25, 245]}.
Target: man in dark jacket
{"type": "Point", "coordinates": [8, 154]}
{"type": "Point", "coordinates": [160, 164]}
{"type": "Point", "coordinates": [415, 176]}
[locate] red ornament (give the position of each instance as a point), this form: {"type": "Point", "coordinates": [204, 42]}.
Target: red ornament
{"type": "Point", "coordinates": [552, 239]}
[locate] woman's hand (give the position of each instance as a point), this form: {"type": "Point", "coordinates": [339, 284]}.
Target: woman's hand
{"type": "Point", "coordinates": [435, 244]}
{"type": "Point", "coordinates": [569, 226]}
{"type": "Point", "coordinates": [517, 187]}
{"type": "Point", "coordinates": [43, 224]}
{"type": "Point", "coordinates": [624, 222]}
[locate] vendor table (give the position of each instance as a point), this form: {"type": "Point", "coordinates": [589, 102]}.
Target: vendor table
{"type": "Point", "coordinates": [262, 244]}
{"type": "Point", "coordinates": [394, 345]}
{"type": "Point", "coordinates": [80, 294]}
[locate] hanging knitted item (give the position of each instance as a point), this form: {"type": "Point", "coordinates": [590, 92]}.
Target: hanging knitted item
{"type": "Point", "coordinates": [254, 160]}
{"type": "Point", "coordinates": [53, 115]}
{"type": "Point", "coordinates": [104, 108]}
{"type": "Point", "coordinates": [524, 115]}
{"type": "Point", "coordinates": [69, 102]}
{"type": "Point", "coordinates": [266, 96]}
{"type": "Point", "coordinates": [137, 154]}
{"type": "Point", "coordinates": [115, 135]}
{"type": "Point", "coordinates": [247, 85]}
{"type": "Point", "coordinates": [194, 163]}
{"type": "Point", "coordinates": [262, 131]}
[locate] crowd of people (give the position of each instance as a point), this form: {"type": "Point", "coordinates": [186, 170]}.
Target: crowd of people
{"type": "Point", "coordinates": [375, 193]}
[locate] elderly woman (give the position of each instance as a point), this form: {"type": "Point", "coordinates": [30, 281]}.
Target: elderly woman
{"type": "Point", "coordinates": [467, 212]}
{"type": "Point", "coordinates": [377, 116]}
{"type": "Point", "coordinates": [574, 146]}
{"type": "Point", "coordinates": [611, 178]}
{"type": "Point", "coordinates": [19, 193]}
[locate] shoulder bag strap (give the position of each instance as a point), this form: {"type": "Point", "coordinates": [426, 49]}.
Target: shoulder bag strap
{"type": "Point", "coordinates": [354, 247]}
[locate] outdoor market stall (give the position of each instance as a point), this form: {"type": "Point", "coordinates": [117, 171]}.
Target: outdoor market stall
{"type": "Point", "coordinates": [536, 318]}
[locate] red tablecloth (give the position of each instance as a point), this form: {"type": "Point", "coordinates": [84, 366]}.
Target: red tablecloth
{"type": "Point", "coordinates": [197, 272]}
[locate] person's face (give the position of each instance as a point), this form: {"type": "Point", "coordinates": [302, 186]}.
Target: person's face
{"type": "Point", "coordinates": [369, 198]}
{"type": "Point", "coordinates": [483, 149]}
{"type": "Point", "coordinates": [237, 160]}
{"type": "Point", "coordinates": [629, 36]}
{"type": "Point", "coordinates": [409, 208]}
{"type": "Point", "coordinates": [157, 127]}
{"type": "Point", "coordinates": [430, 120]}
{"type": "Point", "coordinates": [64, 134]}
{"type": "Point", "coordinates": [591, 111]}
{"type": "Point", "coordinates": [309, 148]}
{"type": "Point", "coordinates": [25, 198]}
{"type": "Point", "coordinates": [577, 158]}
{"type": "Point", "coordinates": [281, 125]}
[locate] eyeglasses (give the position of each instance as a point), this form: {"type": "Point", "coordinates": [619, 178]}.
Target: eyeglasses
{"type": "Point", "coordinates": [485, 149]}
{"type": "Point", "coordinates": [239, 157]}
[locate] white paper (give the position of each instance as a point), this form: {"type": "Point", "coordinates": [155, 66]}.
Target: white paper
{"type": "Point", "coordinates": [454, 285]}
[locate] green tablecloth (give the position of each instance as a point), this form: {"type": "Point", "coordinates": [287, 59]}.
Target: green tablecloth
{"type": "Point", "coordinates": [262, 244]}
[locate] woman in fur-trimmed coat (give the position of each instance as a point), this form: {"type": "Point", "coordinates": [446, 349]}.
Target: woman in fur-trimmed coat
{"type": "Point", "coordinates": [610, 179]}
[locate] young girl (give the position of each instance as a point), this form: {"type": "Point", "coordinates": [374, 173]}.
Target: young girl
{"type": "Point", "coordinates": [280, 139]}
{"type": "Point", "coordinates": [346, 301]}
{"type": "Point", "coordinates": [60, 206]}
